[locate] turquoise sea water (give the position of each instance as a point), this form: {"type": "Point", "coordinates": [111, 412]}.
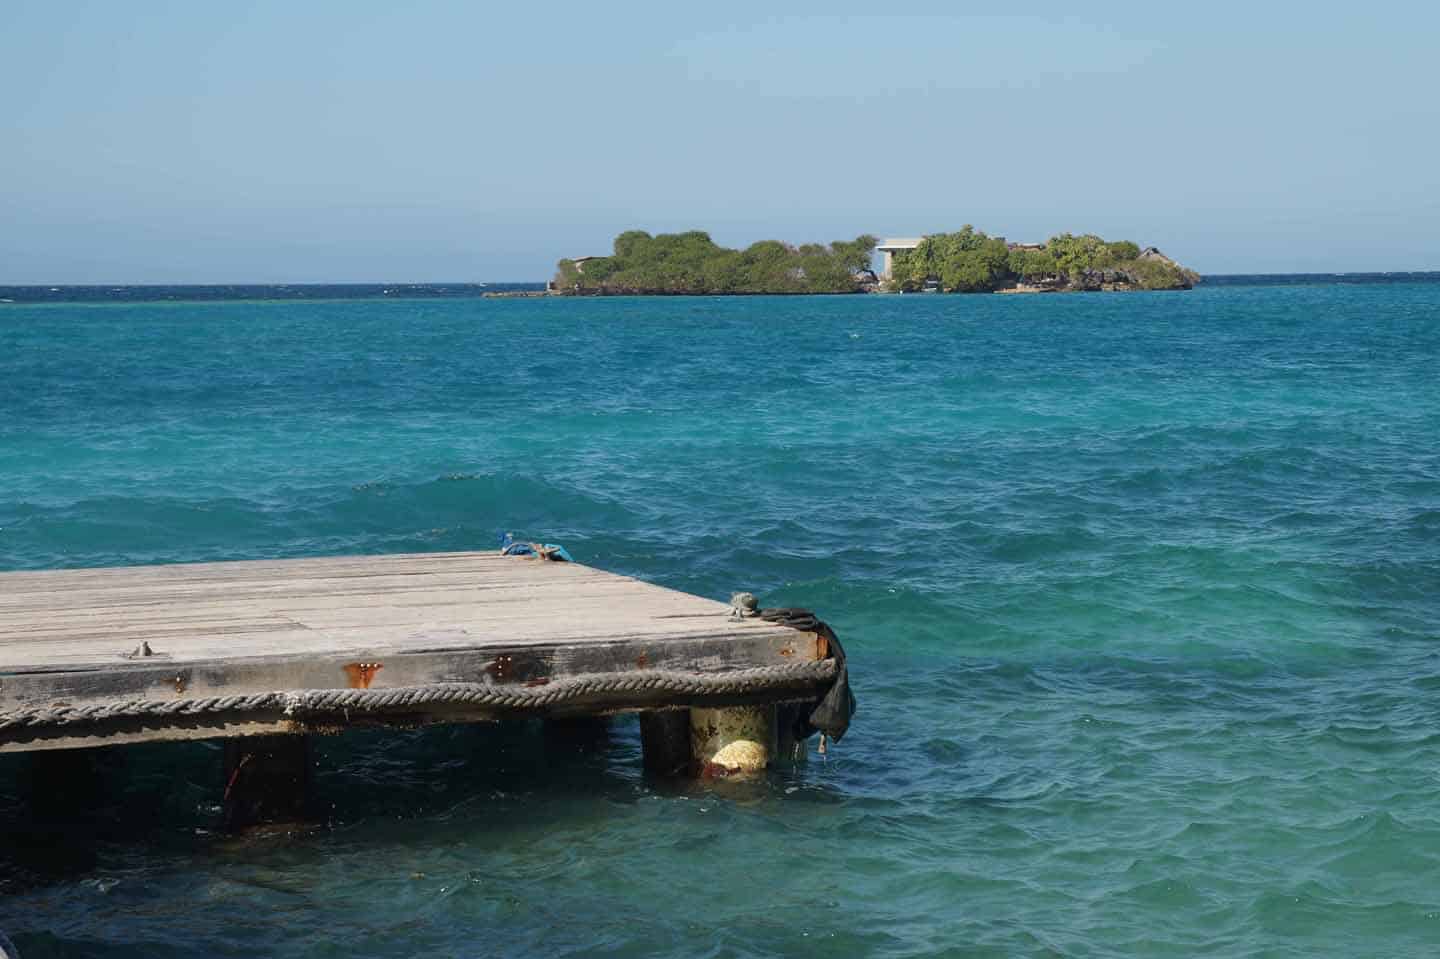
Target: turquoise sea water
{"type": "Point", "coordinates": [1142, 596]}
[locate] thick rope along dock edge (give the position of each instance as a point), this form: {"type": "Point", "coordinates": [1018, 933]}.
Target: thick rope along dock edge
{"type": "Point", "coordinates": [312, 702]}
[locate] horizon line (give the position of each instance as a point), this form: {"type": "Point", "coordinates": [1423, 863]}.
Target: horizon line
{"type": "Point", "coordinates": [302, 283]}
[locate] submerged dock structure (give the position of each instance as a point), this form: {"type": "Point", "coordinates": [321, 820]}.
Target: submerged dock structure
{"type": "Point", "coordinates": [266, 653]}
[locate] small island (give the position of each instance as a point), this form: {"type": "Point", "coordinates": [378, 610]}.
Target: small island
{"type": "Point", "coordinates": [967, 261]}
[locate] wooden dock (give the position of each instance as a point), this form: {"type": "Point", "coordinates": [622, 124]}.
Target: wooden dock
{"type": "Point", "coordinates": [90, 639]}
{"type": "Point", "coordinates": [97, 657]}
{"type": "Point", "coordinates": [263, 654]}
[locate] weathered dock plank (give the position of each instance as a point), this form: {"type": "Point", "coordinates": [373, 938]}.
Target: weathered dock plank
{"type": "Point", "coordinates": [83, 641]}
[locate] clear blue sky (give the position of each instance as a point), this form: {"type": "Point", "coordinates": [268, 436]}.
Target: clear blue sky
{"type": "Point", "coordinates": [336, 140]}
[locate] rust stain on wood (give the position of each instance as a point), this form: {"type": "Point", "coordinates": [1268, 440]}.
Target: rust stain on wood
{"type": "Point", "coordinates": [362, 674]}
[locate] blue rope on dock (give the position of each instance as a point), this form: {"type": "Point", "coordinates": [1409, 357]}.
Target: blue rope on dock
{"type": "Point", "coordinates": [510, 546]}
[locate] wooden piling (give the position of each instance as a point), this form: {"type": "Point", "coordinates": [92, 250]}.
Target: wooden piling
{"type": "Point", "coordinates": [665, 741]}
{"type": "Point", "coordinates": [733, 741]}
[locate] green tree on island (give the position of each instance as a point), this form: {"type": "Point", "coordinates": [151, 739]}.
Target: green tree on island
{"type": "Point", "coordinates": [676, 263]}
{"type": "Point", "coordinates": [971, 261]}
{"type": "Point", "coordinates": [964, 262]}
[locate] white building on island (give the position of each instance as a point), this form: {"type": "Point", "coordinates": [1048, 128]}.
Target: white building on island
{"type": "Point", "coordinates": [888, 247]}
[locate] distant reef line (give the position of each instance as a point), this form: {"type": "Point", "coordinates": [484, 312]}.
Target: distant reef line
{"type": "Point", "coordinates": [965, 261]}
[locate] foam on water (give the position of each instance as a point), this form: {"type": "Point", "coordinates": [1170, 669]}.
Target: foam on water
{"type": "Point", "coordinates": [1141, 591]}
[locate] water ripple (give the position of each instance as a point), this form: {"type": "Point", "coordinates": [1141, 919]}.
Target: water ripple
{"type": "Point", "coordinates": [1142, 595]}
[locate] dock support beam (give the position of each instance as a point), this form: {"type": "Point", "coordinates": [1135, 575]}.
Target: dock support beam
{"type": "Point", "coordinates": [267, 781]}
{"type": "Point", "coordinates": [737, 740]}
{"type": "Point", "coordinates": [665, 741]}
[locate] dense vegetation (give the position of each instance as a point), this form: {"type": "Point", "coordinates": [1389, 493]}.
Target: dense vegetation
{"type": "Point", "coordinates": [970, 261]}
{"type": "Point", "coordinates": [692, 263]}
